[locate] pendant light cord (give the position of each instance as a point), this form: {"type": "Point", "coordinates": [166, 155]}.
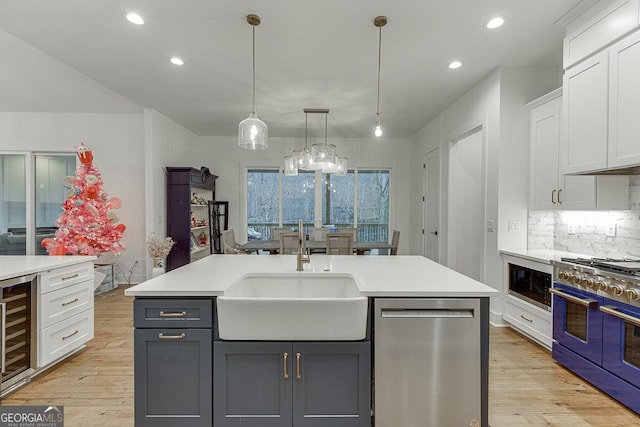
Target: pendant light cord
{"type": "Point", "coordinates": [254, 69]}
{"type": "Point", "coordinates": [379, 55]}
{"type": "Point", "coordinates": [306, 128]}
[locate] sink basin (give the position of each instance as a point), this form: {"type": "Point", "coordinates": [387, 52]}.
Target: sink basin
{"type": "Point", "coordinates": [293, 307]}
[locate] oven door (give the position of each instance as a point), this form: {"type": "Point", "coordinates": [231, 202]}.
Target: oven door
{"type": "Point", "coordinates": [621, 351]}
{"type": "Point", "coordinates": [577, 321]}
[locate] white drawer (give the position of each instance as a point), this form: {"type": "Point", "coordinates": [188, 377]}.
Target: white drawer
{"type": "Point", "coordinates": [65, 276]}
{"type": "Point", "coordinates": [64, 303]}
{"type": "Point", "coordinates": [64, 337]}
{"type": "Point", "coordinates": [529, 320]}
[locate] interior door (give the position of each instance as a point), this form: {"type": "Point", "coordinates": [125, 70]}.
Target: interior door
{"type": "Point", "coordinates": [466, 205]}
{"type": "Point", "coordinates": [431, 208]}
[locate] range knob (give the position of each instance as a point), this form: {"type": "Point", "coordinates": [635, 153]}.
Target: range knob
{"type": "Point", "coordinates": [587, 282]}
{"type": "Point", "coordinates": [563, 275]}
{"type": "Point", "coordinates": [633, 294]}
{"type": "Point", "coordinates": [616, 289]}
{"type": "Point", "coordinates": [602, 286]}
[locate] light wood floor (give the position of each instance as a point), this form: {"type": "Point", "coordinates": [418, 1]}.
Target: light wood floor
{"type": "Point", "coordinates": [526, 387]}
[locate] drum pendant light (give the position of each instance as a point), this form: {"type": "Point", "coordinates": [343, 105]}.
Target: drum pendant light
{"type": "Point", "coordinates": [252, 132]}
{"type": "Point", "coordinates": [379, 21]}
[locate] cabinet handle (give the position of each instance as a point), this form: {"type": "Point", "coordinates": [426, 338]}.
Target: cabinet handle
{"type": "Point", "coordinates": [298, 376]}
{"type": "Point", "coordinates": [284, 365]}
{"type": "Point", "coordinates": [553, 200]}
{"type": "Point", "coordinates": [172, 337]}
{"type": "Point", "coordinates": [559, 192]}
{"type": "Point", "coordinates": [528, 320]}
{"type": "Point", "coordinates": [70, 302]}
{"type": "Point", "coordinates": [70, 277]}
{"type": "Point", "coordinates": [181, 314]}
{"type": "Point", "coordinates": [70, 335]}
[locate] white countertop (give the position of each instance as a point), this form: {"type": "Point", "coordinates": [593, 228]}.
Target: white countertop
{"type": "Point", "coordinates": [19, 265]}
{"type": "Point", "coordinates": [376, 276]}
{"type": "Point", "coordinates": [542, 255]}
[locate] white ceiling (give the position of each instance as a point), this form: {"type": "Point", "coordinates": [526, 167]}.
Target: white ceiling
{"type": "Point", "coordinates": [316, 54]}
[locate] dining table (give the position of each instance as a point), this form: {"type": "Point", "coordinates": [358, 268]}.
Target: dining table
{"type": "Point", "coordinates": [273, 246]}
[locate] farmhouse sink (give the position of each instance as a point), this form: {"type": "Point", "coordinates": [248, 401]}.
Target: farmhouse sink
{"type": "Point", "coordinates": [292, 307]}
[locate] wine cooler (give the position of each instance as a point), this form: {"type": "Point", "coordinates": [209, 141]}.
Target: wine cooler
{"type": "Point", "coordinates": [17, 331]}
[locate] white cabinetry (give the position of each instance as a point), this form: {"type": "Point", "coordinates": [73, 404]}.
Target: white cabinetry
{"type": "Point", "coordinates": [532, 320]}
{"type": "Point", "coordinates": [549, 188]}
{"type": "Point", "coordinates": [601, 90]}
{"type": "Point", "coordinates": [624, 102]}
{"type": "Point", "coordinates": [65, 311]}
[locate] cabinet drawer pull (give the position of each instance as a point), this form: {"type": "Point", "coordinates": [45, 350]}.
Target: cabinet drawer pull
{"type": "Point", "coordinates": [70, 335]}
{"type": "Point", "coordinates": [284, 365]}
{"type": "Point", "coordinates": [70, 302]}
{"type": "Point", "coordinates": [172, 337]}
{"type": "Point", "coordinates": [73, 276]}
{"type": "Point", "coordinates": [528, 320]}
{"type": "Point", "coordinates": [175, 314]}
{"type": "Point", "coordinates": [298, 376]}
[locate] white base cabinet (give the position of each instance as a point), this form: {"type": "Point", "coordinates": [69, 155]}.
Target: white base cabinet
{"type": "Point", "coordinates": [65, 311]}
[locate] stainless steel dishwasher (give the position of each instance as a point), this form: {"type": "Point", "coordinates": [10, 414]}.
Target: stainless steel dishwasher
{"type": "Point", "coordinates": [431, 362]}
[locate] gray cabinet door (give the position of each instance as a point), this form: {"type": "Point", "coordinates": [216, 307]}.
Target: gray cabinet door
{"type": "Point", "coordinates": [252, 384]}
{"type": "Point", "coordinates": [173, 377]}
{"type": "Point", "coordinates": [333, 389]}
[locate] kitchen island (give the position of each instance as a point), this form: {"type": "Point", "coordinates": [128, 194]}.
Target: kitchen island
{"type": "Point", "coordinates": [186, 374]}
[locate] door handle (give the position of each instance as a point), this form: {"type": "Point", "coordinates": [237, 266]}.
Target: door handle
{"type": "Point", "coordinates": [559, 193]}
{"type": "Point", "coordinates": [585, 302]}
{"type": "Point", "coordinates": [284, 365]}
{"type": "Point", "coordinates": [3, 333]}
{"type": "Point", "coordinates": [435, 233]}
{"type": "Point", "coordinates": [298, 376]}
{"type": "Point", "coordinates": [613, 311]}
{"type": "Point", "coordinates": [553, 193]}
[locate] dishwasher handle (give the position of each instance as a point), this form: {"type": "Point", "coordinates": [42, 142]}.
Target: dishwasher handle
{"type": "Point", "coordinates": [428, 313]}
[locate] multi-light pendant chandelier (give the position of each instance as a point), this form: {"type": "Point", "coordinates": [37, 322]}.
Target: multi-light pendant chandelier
{"type": "Point", "coordinates": [320, 157]}
{"type": "Point", "coordinates": [252, 132]}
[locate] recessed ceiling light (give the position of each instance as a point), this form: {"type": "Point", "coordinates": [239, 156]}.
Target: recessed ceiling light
{"type": "Point", "coordinates": [134, 18]}
{"type": "Point", "coordinates": [495, 22]}
{"type": "Point", "coordinates": [455, 64]}
{"type": "Point", "coordinates": [176, 61]}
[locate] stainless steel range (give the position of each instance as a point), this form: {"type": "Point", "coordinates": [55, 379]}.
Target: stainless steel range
{"type": "Point", "coordinates": [596, 323]}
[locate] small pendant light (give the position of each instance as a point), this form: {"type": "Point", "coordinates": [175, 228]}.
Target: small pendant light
{"type": "Point", "coordinates": [379, 21]}
{"type": "Point", "coordinates": [252, 132]}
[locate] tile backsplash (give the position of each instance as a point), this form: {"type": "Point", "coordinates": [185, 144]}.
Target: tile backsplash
{"type": "Point", "coordinates": [601, 233]}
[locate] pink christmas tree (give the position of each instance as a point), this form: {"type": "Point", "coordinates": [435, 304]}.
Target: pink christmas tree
{"type": "Point", "coordinates": [88, 224]}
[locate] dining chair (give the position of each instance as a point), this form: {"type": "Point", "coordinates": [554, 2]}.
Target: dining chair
{"type": "Point", "coordinates": [395, 241]}
{"type": "Point", "coordinates": [352, 230]}
{"type": "Point", "coordinates": [288, 243]}
{"type": "Point", "coordinates": [318, 234]}
{"type": "Point", "coordinates": [339, 244]}
{"type": "Point", "coordinates": [277, 231]}
{"type": "Point", "coordinates": [229, 244]}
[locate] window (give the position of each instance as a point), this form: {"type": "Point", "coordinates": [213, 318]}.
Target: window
{"type": "Point", "coordinates": [19, 233]}
{"type": "Point", "coordinates": [358, 199]}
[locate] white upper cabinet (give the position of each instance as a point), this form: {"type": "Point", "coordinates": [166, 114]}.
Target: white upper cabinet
{"type": "Point", "coordinates": [585, 97]}
{"type": "Point", "coordinates": [624, 102]}
{"type": "Point", "coordinates": [601, 89]}
{"type": "Point", "coordinates": [549, 188]}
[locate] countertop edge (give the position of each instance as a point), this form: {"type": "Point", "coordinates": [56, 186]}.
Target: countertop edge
{"type": "Point", "coordinates": [37, 263]}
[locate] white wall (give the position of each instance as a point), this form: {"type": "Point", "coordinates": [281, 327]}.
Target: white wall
{"type": "Point", "coordinates": [498, 105]}
{"type": "Point", "coordinates": [118, 150]}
